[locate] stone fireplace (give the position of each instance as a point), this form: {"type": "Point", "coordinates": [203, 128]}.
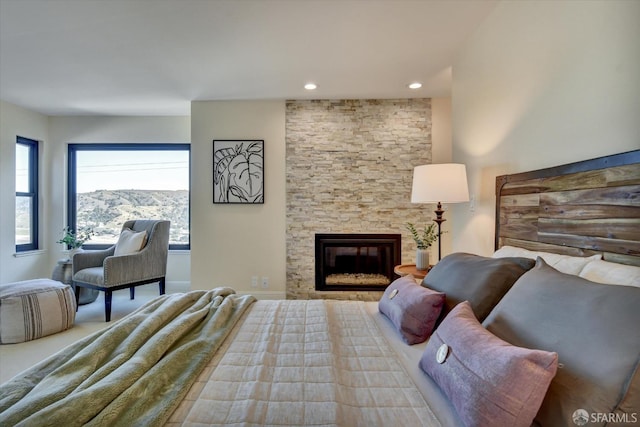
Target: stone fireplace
{"type": "Point", "coordinates": [356, 262]}
{"type": "Point", "coordinates": [349, 166]}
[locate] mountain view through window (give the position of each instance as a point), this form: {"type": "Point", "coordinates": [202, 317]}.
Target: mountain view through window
{"type": "Point", "coordinates": [114, 186]}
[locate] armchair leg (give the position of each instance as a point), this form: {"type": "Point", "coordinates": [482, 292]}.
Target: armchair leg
{"type": "Point", "coordinates": [107, 306]}
{"type": "Point", "coordinates": [132, 292]}
{"type": "Point", "coordinates": [161, 285]}
{"type": "Point", "coordinates": [76, 291]}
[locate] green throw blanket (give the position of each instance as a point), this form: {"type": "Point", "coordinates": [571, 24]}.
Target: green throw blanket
{"type": "Point", "coordinates": [134, 372]}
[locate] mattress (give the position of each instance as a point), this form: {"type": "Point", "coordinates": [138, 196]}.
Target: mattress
{"type": "Point", "coordinates": [314, 363]}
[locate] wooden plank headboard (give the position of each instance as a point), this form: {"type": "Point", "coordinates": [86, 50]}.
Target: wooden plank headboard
{"type": "Point", "coordinates": [577, 209]}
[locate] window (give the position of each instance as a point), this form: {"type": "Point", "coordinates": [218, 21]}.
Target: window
{"type": "Point", "coordinates": [112, 183]}
{"type": "Point", "coordinates": [26, 195]}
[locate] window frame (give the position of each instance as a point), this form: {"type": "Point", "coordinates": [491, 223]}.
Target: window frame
{"type": "Point", "coordinates": [72, 151]}
{"type": "Point", "coordinates": [33, 193]}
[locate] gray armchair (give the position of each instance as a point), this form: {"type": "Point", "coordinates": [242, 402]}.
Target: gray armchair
{"type": "Point", "coordinates": [105, 272]}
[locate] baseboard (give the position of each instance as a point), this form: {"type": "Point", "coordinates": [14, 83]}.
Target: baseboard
{"type": "Point", "coordinates": [185, 286]}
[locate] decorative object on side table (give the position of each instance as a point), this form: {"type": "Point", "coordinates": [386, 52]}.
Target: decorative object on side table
{"type": "Point", "coordinates": [74, 240]}
{"type": "Point", "coordinates": [423, 241]}
{"type": "Point", "coordinates": [238, 171]}
{"type": "Point", "coordinates": [441, 183]}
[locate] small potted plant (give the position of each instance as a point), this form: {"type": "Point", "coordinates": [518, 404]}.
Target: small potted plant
{"type": "Point", "coordinates": [73, 240]}
{"type": "Point", "coordinates": [423, 241]}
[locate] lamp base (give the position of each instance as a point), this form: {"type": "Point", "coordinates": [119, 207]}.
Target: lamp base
{"type": "Point", "coordinates": [439, 220]}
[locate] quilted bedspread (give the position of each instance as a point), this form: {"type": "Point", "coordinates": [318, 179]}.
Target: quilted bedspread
{"type": "Point", "coordinates": [305, 363]}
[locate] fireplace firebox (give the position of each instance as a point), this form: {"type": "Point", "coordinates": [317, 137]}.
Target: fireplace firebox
{"type": "Point", "coordinates": [356, 262]}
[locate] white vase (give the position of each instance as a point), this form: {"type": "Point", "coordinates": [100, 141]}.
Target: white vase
{"type": "Point", "coordinates": [422, 259]}
{"type": "Point", "coordinates": [74, 251]}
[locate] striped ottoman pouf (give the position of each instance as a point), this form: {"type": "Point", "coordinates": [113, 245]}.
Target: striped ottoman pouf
{"type": "Point", "coordinates": [33, 309]}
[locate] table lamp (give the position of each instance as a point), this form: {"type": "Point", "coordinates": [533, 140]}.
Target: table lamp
{"type": "Point", "coordinates": [440, 183]}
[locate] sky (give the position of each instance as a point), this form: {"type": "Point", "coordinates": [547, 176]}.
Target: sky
{"type": "Point", "coordinates": [124, 170]}
{"type": "Point", "coordinates": [22, 166]}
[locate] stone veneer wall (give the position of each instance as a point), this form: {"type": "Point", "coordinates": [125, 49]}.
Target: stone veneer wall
{"type": "Point", "coordinates": [349, 170]}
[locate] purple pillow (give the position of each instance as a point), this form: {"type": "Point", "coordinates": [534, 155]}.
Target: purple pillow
{"type": "Point", "coordinates": [412, 309]}
{"type": "Point", "coordinates": [487, 380]}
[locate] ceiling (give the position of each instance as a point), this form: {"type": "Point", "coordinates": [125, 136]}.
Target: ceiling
{"type": "Point", "coordinates": [153, 57]}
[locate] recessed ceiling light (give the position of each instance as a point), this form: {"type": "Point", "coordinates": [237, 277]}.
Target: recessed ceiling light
{"type": "Point", "coordinates": [310, 86]}
{"type": "Point", "coordinates": [415, 85]}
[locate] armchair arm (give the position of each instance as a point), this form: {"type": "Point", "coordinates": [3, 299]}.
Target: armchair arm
{"type": "Point", "coordinates": [143, 265]}
{"type": "Point", "coordinates": [87, 259]}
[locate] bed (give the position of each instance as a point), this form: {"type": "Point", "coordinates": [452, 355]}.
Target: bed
{"type": "Point", "coordinates": [543, 332]}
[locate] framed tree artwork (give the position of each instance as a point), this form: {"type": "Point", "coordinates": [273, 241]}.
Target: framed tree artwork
{"type": "Point", "coordinates": [238, 171]}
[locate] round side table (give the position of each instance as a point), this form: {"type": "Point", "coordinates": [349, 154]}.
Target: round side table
{"type": "Point", "coordinates": [404, 269]}
{"type": "Point", "coordinates": [63, 272]}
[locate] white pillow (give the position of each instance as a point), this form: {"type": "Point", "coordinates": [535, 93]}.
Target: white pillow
{"type": "Point", "coordinates": [563, 263]}
{"type": "Point", "coordinates": [611, 273]}
{"type": "Point", "coordinates": [130, 242]}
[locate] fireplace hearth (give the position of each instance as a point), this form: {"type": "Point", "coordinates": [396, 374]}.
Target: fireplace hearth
{"type": "Point", "coordinates": [356, 262]}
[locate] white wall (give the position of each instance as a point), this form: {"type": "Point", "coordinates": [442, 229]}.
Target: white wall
{"type": "Point", "coordinates": [232, 243]}
{"type": "Point", "coordinates": [88, 129]}
{"type": "Point", "coordinates": [16, 121]}
{"type": "Point", "coordinates": [541, 84]}
{"type": "Point", "coordinates": [441, 149]}
{"type": "Point", "coordinates": [441, 152]}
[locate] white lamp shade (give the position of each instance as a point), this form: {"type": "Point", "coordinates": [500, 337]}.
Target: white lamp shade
{"type": "Point", "coordinates": [445, 182]}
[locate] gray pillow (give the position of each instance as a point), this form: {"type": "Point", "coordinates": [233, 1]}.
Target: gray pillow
{"type": "Point", "coordinates": [480, 280]}
{"type": "Point", "coordinates": [594, 328]}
